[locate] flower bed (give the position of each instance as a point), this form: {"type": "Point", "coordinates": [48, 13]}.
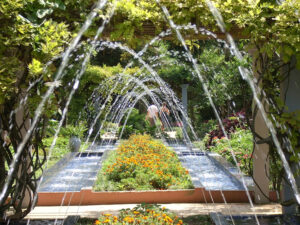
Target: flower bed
{"type": "Point", "coordinates": [142, 214]}
{"type": "Point", "coordinates": [150, 214]}
{"type": "Point", "coordinates": [142, 163]}
{"type": "Point", "coordinates": [147, 214]}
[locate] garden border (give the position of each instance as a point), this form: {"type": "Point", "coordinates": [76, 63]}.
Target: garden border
{"type": "Point", "coordinates": [88, 197]}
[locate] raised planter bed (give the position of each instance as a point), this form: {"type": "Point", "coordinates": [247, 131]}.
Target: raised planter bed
{"type": "Point", "coordinates": [89, 197]}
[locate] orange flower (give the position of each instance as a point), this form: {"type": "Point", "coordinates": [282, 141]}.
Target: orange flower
{"type": "Point", "coordinates": [168, 219]}
{"type": "Point", "coordinates": [128, 219]}
{"type": "Point", "coordinates": [97, 222]}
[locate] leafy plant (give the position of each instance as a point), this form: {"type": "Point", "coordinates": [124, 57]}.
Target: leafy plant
{"type": "Point", "coordinates": [142, 163]}
{"type": "Point", "coordinates": [137, 124]}
{"type": "Point", "coordinates": [206, 127]}
{"type": "Point", "coordinates": [128, 130]}
{"type": "Point", "coordinates": [240, 144]}
{"type": "Point", "coordinates": [71, 130]}
{"type": "Point", "coordinates": [231, 123]}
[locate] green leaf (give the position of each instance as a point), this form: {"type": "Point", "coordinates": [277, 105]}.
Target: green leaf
{"type": "Point", "coordinates": [288, 50]}
{"type": "Point", "coordinates": [35, 68]}
{"type": "Point", "coordinates": [41, 13]}
{"type": "Point", "coordinates": [60, 4]}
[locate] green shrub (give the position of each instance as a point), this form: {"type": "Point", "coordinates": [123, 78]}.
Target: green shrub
{"type": "Point", "coordinates": [127, 131]}
{"type": "Point", "coordinates": [74, 130]}
{"type": "Point", "coordinates": [206, 127]}
{"type": "Point", "coordinates": [137, 124]}
{"type": "Point", "coordinates": [230, 125]}
{"type": "Point", "coordinates": [241, 143]}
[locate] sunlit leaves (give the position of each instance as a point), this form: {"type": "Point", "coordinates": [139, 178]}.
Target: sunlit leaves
{"type": "Point", "coordinates": [35, 68]}
{"type": "Point", "coordinates": [9, 69]}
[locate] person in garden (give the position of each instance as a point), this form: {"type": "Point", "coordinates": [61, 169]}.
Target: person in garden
{"type": "Point", "coordinates": [164, 114]}
{"type": "Point", "coordinates": [152, 114]}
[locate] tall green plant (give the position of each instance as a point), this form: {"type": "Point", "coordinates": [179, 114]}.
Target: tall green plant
{"type": "Point", "coordinates": [240, 144]}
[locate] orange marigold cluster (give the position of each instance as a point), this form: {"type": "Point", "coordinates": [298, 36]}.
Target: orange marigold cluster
{"type": "Point", "coordinates": [141, 215]}
{"type": "Point", "coordinates": [147, 156]}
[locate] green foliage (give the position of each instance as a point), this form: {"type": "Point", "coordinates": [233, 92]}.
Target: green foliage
{"type": "Point", "coordinates": [135, 12]}
{"type": "Point", "coordinates": [206, 127]}
{"type": "Point", "coordinates": [136, 124]}
{"type": "Point", "coordinates": [222, 76]}
{"type": "Point", "coordinates": [110, 127]}
{"type": "Point", "coordinates": [74, 130]}
{"type": "Point", "coordinates": [99, 81]}
{"type": "Point", "coordinates": [220, 72]}
{"type": "Point", "coordinates": [273, 24]}
{"type": "Point", "coordinates": [27, 46]}
{"type": "Point", "coordinates": [68, 131]}
{"type": "Point", "coordinates": [240, 144]}
{"type": "Point", "coordinates": [60, 148]}
{"type": "Point", "coordinates": [142, 164]}
{"type": "Point", "coordinates": [135, 119]}
{"type": "Point", "coordinates": [127, 131]}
